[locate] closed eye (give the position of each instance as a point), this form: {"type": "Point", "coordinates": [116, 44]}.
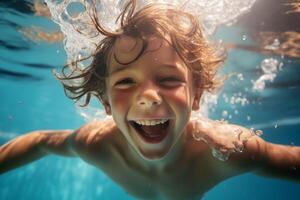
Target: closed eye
{"type": "Point", "coordinates": [171, 81]}
{"type": "Point", "coordinates": [124, 83]}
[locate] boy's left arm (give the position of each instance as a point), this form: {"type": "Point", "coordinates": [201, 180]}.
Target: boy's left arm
{"type": "Point", "coordinates": [274, 160]}
{"type": "Point", "coordinates": [249, 152]}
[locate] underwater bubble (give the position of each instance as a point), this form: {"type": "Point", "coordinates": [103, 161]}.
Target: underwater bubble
{"type": "Point", "coordinates": [238, 132]}
{"type": "Point", "coordinates": [259, 85]}
{"type": "Point", "coordinates": [269, 65]}
{"type": "Point", "coordinates": [239, 99]}
{"type": "Point", "coordinates": [75, 8]}
{"type": "Point", "coordinates": [258, 132]}
{"type": "Point", "coordinates": [197, 136]}
{"type": "Point", "coordinates": [238, 146]}
{"type": "Point", "coordinates": [275, 45]}
{"type": "Point", "coordinates": [225, 113]}
{"type": "Point", "coordinates": [244, 37]}
{"type": "Point", "coordinates": [240, 77]}
{"type": "Point", "coordinates": [280, 66]}
{"type": "Point", "coordinates": [225, 97]}
{"type": "Point", "coordinates": [252, 131]}
{"type": "Point", "coordinates": [220, 155]}
{"type": "Point", "coordinates": [243, 101]}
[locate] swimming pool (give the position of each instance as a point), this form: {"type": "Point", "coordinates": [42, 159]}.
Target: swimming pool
{"type": "Point", "coordinates": [32, 99]}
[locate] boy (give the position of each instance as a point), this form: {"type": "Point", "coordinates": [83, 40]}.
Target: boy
{"type": "Point", "coordinates": [149, 76]}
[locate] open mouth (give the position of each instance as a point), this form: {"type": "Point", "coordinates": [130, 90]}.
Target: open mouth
{"type": "Point", "coordinates": [152, 131]}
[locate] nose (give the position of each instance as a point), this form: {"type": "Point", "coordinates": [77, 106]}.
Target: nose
{"type": "Point", "coordinates": [149, 97]}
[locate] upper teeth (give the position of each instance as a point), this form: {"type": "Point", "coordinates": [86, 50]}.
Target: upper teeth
{"type": "Point", "coordinates": [150, 122]}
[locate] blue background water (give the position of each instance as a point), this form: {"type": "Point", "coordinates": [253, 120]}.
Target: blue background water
{"type": "Point", "coordinates": [31, 99]}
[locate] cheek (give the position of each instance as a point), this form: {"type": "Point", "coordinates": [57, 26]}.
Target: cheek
{"type": "Point", "coordinates": [180, 97]}
{"type": "Point", "coordinates": [120, 100]}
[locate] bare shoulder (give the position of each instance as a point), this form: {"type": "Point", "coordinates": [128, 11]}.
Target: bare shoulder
{"type": "Point", "coordinates": [94, 136]}
{"type": "Point", "coordinates": [94, 131]}
{"type": "Point", "coordinates": [240, 147]}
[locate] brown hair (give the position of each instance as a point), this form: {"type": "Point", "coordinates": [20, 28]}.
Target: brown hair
{"type": "Point", "coordinates": [185, 34]}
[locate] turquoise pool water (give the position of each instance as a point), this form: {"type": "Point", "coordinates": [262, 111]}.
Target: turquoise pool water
{"type": "Point", "coordinates": [32, 99]}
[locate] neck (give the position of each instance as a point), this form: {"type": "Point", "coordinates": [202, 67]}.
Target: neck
{"type": "Point", "coordinates": [158, 165]}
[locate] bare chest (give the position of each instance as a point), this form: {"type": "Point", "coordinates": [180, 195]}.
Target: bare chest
{"type": "Point", "coordinates": [181, 182]}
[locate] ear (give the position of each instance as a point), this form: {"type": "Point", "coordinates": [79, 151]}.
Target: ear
{"type": "Point", "coordinates": [196, 100]}
{"type": "Point", "coordinates": [107, 107]}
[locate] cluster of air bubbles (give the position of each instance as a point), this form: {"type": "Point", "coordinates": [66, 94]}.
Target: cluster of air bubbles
{"type": "Point", "coordinates": [240, 76]}
{"type": "Point", "coordinates": [223, 138]}
{"type": "Point", "coordinates": [81, 37]}
{"type": "Point", "coordinates": [226, 115]}
{"type": "Point", "coordinates": [274, 46]}
{"type": "Point", "coordinates": [237, 98]}
{"type": "Point", "coordinates": [270, 68]}
{"type": "Point", "coordinates": [75, 20]}
{"type": "Point", "coordinates": [215, 12]}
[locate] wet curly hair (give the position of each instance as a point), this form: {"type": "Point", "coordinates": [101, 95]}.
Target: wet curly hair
{"type": "Point", "coordinates": [185, 35]}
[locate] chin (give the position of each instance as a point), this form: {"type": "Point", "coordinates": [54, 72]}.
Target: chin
{"type": "Point", "coordinates": [154, 152]}
{"type": "Point", "coordinates": [153, 156]}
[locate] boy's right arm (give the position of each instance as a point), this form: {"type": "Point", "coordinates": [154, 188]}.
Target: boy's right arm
{"type": "Point", "coordinates": [86, 142]}
{"type": "Point", "coordinates": [32, 146]}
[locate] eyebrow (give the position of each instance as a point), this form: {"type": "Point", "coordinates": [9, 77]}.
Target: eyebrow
{"type": "Point", "coordinates": [119, 68]}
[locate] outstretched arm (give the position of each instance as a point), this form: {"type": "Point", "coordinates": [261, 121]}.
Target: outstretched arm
{"type": "Point", "coordinates": [248, 152]}
{"type": "Point", "coordinates": [32, 146]}
{"type": "Point", "coordinates": [280, 161]}
{"type": "Point", "coordinates": [268, 159]}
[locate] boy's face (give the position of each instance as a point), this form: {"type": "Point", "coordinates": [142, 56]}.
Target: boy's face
{"type": "Point", "coordinates": [150, 99]}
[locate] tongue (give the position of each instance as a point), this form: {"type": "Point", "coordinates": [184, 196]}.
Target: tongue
{"type": "Point", "coordinates": [153, 130]}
